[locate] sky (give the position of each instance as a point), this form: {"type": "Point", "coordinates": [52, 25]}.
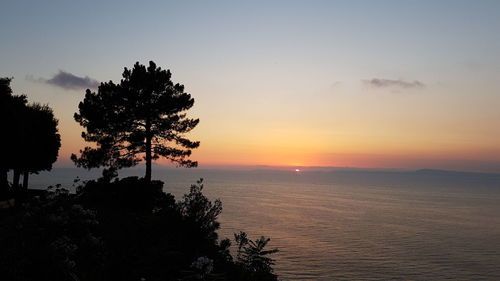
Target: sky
{"type": "Point", "coordinates": [373, 84]}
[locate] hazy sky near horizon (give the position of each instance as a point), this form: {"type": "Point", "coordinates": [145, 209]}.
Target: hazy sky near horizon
{"type": "Point", "coordinates": [402, 84]}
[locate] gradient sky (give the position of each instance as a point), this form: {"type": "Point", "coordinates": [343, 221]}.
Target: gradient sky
{"type": "Point", "coordinates": [400, 84]}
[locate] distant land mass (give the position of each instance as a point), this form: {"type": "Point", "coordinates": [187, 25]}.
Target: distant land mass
{"type": "Point", "coordinates": [456, 173]}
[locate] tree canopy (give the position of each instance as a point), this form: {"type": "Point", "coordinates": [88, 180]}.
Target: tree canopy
{"type": "Point", "coordinates": [39, 139]}
{"type": "Point", "coordinates": [7, 100]}
{"type": "Point", "coordinates": [141, 118]}
{"type": "Point", "coordinates": [31, 141]}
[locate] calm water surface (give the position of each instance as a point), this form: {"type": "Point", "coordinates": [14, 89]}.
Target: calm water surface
{"type": "Point", "coordinates": [361, 225]}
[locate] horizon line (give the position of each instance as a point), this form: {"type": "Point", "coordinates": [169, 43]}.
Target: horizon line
{"type": "Point", "coordinates": [241, 167]}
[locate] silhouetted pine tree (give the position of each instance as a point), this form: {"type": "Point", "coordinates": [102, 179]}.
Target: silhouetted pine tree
{"type": "Point", "coordinates": [142, 118]}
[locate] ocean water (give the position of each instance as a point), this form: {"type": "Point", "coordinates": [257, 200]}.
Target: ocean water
{"type": "Point", "coordinates": [354, 225]}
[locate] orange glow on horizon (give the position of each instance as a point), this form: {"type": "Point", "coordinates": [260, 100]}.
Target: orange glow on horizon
{"type": "Point", "coordinates": [313, 147]}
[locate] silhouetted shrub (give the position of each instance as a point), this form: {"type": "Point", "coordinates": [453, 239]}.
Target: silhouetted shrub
{"type": "Point", "coordinates": [253, 258]}
{"type": "Point", "coordinates": [128, 229]}
{"type": "Point", "coordinates": [50, 237]}
{"type": "Point", "coordinates": [132, 194]}
{"type": "Point", "coordinates": [198, 211]}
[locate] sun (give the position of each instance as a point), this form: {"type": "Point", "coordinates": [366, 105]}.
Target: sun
{"type": "Point", "coordinates": [297, 170]}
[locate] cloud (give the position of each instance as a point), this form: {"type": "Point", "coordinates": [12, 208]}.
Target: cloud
{"type": "Point", "coordinates": [70, 81]}
{"type": "Point", "coordinates": [389, 83]}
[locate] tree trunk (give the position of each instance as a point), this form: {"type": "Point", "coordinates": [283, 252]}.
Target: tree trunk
{"type": "Point", "coordinates": [15, 181]}
{"type": "Point", "coordinates": [25, 179]}
{"type": "Point", "coordinates": [147, 177]}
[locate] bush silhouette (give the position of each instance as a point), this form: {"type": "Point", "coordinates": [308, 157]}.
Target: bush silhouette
{"type": "Point", "coordinates": [123, 230]}
{"type": "Point", "coordinates": [50, 237]}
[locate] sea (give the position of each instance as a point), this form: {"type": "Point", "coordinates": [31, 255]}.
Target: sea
{"type": "Point", "coordinates": [350, 224]}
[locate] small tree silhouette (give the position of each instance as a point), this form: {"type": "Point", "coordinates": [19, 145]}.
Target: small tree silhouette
{"type": "Point", "coordinates": [40, 140]}
{"type": "Point", "coordinates": [5, 102]}
{"type": "Point", "coordinates": [33, 141]}
{"type": "Point", "coordinates": [135, 120]}
{"type": "Point", "coordinates": [11, 108]}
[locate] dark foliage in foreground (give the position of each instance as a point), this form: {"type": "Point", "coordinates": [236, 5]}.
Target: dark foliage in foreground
{"type": "Point", "coordinates": [125, 230]}
{"type": "Point", "coordinates": [51, 237]}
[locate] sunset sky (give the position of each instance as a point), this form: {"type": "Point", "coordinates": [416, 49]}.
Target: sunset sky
{"type": "Point", "coordinates": [382, 84]}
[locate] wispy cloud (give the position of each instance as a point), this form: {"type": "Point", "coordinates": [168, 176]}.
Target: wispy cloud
{"type": "Point", "coordinates": [390, 83]}
{"type": "Point", "coordinates": [69, 81]}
